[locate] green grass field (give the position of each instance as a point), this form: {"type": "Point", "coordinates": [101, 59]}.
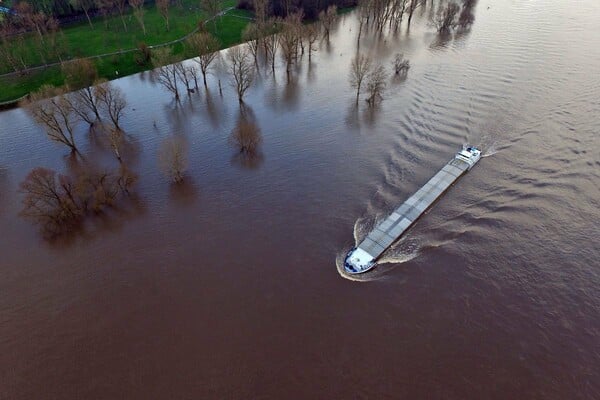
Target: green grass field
{"type": "Point", "coordinates": [83, 41]}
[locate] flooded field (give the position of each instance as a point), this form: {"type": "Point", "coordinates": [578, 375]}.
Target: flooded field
{"type": "Point", "coordinates": [229, 286]}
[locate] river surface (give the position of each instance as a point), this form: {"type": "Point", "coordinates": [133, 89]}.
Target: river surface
{"type": "Point", "coordinates": [230, 287]}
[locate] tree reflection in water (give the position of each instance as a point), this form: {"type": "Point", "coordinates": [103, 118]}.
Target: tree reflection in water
{"type": "Point", "coordinates": [184, 193]}
{"type": "Point", "coordinates": [246, 139]}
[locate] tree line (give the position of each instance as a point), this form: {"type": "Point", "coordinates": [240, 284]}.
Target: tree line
{"type": "Point", "coordinates": [48, 39]}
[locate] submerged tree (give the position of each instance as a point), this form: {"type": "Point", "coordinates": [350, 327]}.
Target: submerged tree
{"type": "Point", "coordinates": [51, 109]}
{"type": "Point", "coordinates": [206, 46]}
{"type": "Point", "coordinates": [252, 36]}
{"type": "Point", "coordinates": [59, 203]}
{"type": "Point", "coordinates": [246, 137]}
{"type": "Point", "coordinates": [271, 41]}
{"type": "Point", "coordinates": [50, 200]}
{"type": "Point", "coordinates": [80, 77]}
{"type": "Point", "coordinates": [359, 69]}
{"type": "Point", "coordinates": [466, 17]}
{"type": "Point", "coordinates": [166, 70]}
{"type": "Point", "coordinates": [242, 70]}
{"type": "Point", "coordinates": [113, 102]}
{"type": "Point", "coordinates": [400, 65]}
{"type": "Point", "coordinates": [327, 18]}
{"type": "Point", "coordinates": [173, 158]}
{"type": "Point", "coordinates": [187, 74]}
{"type": "Point", "coordinates": [445, 18]}
{"type": "Point", "coordinates": [411, 9]}
{"type": "Point", "coordinates": [376, 85]}
{"type": "Point", "coordinates": [311, 33]}
{"type": "Point", "coordinates": [288, 41]}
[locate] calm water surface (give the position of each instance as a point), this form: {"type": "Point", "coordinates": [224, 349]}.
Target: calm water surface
{"type": "Point", "coordinates": [230, 287]}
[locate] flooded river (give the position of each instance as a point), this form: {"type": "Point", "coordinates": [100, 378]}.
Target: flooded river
{"type": "Point", "coordinates": [229, 287]}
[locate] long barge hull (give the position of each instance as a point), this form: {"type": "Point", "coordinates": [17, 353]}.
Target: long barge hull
{"type": "Point", "coordinates": [364, 256]}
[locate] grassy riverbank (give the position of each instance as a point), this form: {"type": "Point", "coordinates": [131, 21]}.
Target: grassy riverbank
{"type": "Point", "coordinates": [83, 41]}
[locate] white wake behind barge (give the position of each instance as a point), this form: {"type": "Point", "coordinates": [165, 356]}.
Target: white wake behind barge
{"type": "Point", "coordinates": [363, 257]}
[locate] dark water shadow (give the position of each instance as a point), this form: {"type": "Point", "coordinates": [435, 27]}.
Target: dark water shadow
{"type": "Point", "coordinates": [462, 34]}
{"type": "Point", "coordinates": [184, 193]}
{"type": "Point", "coordinates": [399, 79]}
{"type": "Point", "coordinates": [371, 113]}
{"type": "Point", "coordinates": [326, 45]}
{"type": "Point", "coordinates": [178, 117]}
{"type": "Point", "coordinates": [441, 41]}
{"type": "Point", "coordinates": [352, 118]}
{"type": "Point", "coordinates": [310, 72]}
{"type": "Point", "coordinates": [291, 92]}
{"type": "Point", "coordinates": [129, 146]}
{"type": "Point", "coordinates": [213, 108]}
{"type": "Point", "coordinates": [271, 94]}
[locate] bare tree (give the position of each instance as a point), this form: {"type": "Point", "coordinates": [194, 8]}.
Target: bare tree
{"type": "Point", "coordinates": [376, 85]}
{"type": "Point", "coordinates": [288, 41]}
{"type": "Point", "coordinates": [206, 47]}
{"type": "Point", "coordinates": [56, 46]}
{"type": "Point", "coordinates": [242, 70]}
{"type": "Point", "coordinates": [466, 18]}
{"type": "Point", "coordinates": [173, 158]}
{"type": "Point", "coordinates": [411, 9]}
{"type": "Point", "coordinates": [211, 8]}
{"type": "Point", "coordinates": [105, 7]}
{"type": "Point", "coordinates": [50, 108]}
{"type": "Point", "coordinates": [59, 203]}
{"type": "Point", "coordinates": [400, 65]}
{"type": "Point", "coordinates": [163, 9]}
{"type": "Point", "coordinates": [271, 41]}
{"type": "Point", "coordinates": [31, 19]}
{"type": "Point", "coordinates": [12, 47]}
{"type": "Point", "coordinates": [327, 18]}
{"type": "Point", "coordinates": [261, 11]}
{"type": "Point", "coordinates": [126, 179]}
{"type": "Point", "coordinates": [121, 5]}
{"type": "Point", "coordinates": [187, 74]}
{"type": "Point", "coordinates": [398, 10]}
{"type": "Point", "coordinates": [49, 200]}
{"type": "Point", "coordinates": [311, 32]}
{"type": "Point", "coordinates": [445, 18]}
{"type": "Point", "coordinates": [138, 12]}
{"type": "Point", "coordinates": [84, 5]}
{"type": "Point", "coordinates": [80, 77]}
{"type": "Point", "coordinates": [359, 69]}
{"type": "Point", "coordinates": [294, 21]}
{"type": "Point", "coordinates": [166, 70]}
{"type": "Point", "coordinates": [252, 36]}
{"type": "Point", "coordinates": [113, 102]}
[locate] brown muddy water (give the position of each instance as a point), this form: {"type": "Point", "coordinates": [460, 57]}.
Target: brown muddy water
{"type": "Point", "coordinates": [230, 287]}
